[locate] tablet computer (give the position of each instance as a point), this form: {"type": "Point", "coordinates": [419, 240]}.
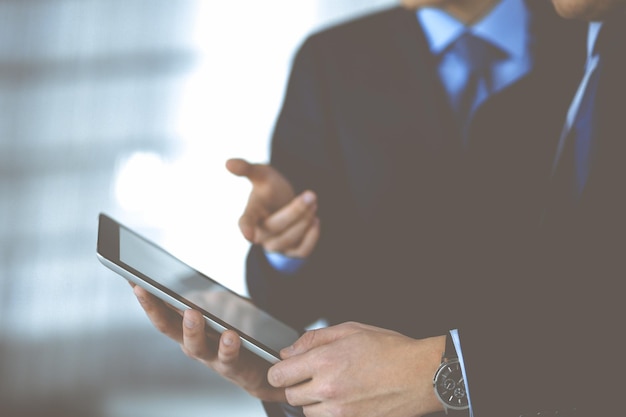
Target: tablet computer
{"type": "Point", "coordinates": [146, 264]}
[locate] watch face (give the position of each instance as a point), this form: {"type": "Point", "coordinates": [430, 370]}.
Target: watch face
{"type": "Point", "coordinates": [450, 385]}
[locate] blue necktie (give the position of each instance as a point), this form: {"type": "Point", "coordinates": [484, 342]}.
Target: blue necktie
{"type": "Point", "coordinates": [478, 55]}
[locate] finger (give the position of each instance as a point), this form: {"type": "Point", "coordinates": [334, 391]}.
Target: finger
{"type": "Point", "coordinates": [301, 394]}
{"type": "Point", "coordinates": [237, 166]}
{"type": "Point", "coordinates": [254, 211]}
{"type": "Point", "coordinates": [157, 300]}
{"type": "Point", "coordinates": [288, 240]}
{"type": "Point", "coordinates": [308, 243]}
{"type": "Point", "coordinates": [195, 342]}
{"type": "Point", "coordinates": [315, 410]}
{"type": "Point", "coordinates": [290, 372]}
{"type": "Point", "coordinates": [242, 168]}
{"type": "Point", "coordinates": [229, 363]}
{"type": "Point", "coordinates": [250, 220]}
{"type": "Point", "coordinates": [284, 229]}
{"type": "Point", "coordinates": [230, 345]}
{"type": "Point", "coordinates": [301, 207]}
{"type": "Point", "coordinates": [166, 320]}
{"type": "Point", "coordinates": [316, 338]}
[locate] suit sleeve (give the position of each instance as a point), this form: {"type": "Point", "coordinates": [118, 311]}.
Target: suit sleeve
{"type": "Point", "coordinates": [304, 149]}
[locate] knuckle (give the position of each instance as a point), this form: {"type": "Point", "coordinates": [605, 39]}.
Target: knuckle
{"type": "Point", "coordinates": [309, 337]}
{"type": "Point", "coordinates": [245, 222]}
{"type": "Point", "coordinates": [339, 410]}
{"type": "Point", "coordinates": [227, 358]}
{"type": "Point", "coordinates": [250, 217]}
{"type": "Point", "coordinates": [262, 235]}
{"type": "Point", "coordinates": [327, 391]}
{"type": "Point", "coordinates": [225, 370]}
{"type": "Point", "coordinates": [143, 301]}
{"type": "Point", "coordinates": [353, 325]}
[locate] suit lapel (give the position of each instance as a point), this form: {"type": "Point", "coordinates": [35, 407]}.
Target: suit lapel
{"type": "Point", "coordinates": [414, 153]}
{"type": "Point", "coordinates": [422, 79]}
{"type": "Point", "coordinates": [605, 195]}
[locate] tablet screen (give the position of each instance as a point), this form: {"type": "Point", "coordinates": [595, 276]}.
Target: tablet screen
{"type": "Point", "coordinates": [184, 282]}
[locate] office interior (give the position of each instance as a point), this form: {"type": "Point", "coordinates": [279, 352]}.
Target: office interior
{"type": "Point", "coordinates": [128, 107]}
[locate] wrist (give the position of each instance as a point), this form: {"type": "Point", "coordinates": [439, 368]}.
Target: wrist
{"type": "Point", "coordinates": [449, 381]}
{"type": "Point", "coordinates": [428, 354]}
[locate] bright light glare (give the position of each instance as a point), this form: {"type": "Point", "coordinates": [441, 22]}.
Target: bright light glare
{"type": "Point", "coordinates": [244, 50]}
{"type": "Point", "coordinates": [142, 181]}
{"type": "Point", "coordinates": [193, 204]}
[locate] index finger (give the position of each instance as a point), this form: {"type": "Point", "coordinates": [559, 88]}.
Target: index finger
{"type": "Point", "coordinates": [164, 318]}
{"type": "Point", "coordinates": [290, 372]}
{"type": "Point", "coordinates": [318, 337]}
{"type": "Point", "coordinates": [195, 341]}
{"type": "Point", "coordinates": [242, 168]}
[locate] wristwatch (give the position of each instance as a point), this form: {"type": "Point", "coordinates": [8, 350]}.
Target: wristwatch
{"type": "Point", "coordinates": [449, 383]}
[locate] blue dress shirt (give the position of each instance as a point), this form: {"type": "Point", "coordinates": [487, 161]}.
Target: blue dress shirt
{"type": "Point", "coordinates": [285, 264]}
{"type": "Point", "coordinates": [506, 26]}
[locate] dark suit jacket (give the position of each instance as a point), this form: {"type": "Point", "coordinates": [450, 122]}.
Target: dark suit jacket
{"type": "Point", "coordinates": [564, 345]}
{"type": "Point", "coordinates": [367, 125]}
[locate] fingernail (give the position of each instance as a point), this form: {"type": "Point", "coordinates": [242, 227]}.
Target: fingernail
{"type": "Point", "coordinates": [308, 197]}
{"type": "Point", "coordinates": [228, 341]}
{"type": "Point", "coordinates": [190, 324]}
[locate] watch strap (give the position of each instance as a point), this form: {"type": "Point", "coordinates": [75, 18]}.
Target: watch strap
{"type": "Point", "coordinates": [450, 350]}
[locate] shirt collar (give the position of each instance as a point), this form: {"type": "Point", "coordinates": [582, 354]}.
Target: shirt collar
{"type": "Point", "coordinates": [505, 26]}
{"type": "Point", "coordinates": [592, 37]}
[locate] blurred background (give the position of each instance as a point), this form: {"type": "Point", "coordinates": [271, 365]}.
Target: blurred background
{"type": "Point", "coordinates": [129, 107]}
